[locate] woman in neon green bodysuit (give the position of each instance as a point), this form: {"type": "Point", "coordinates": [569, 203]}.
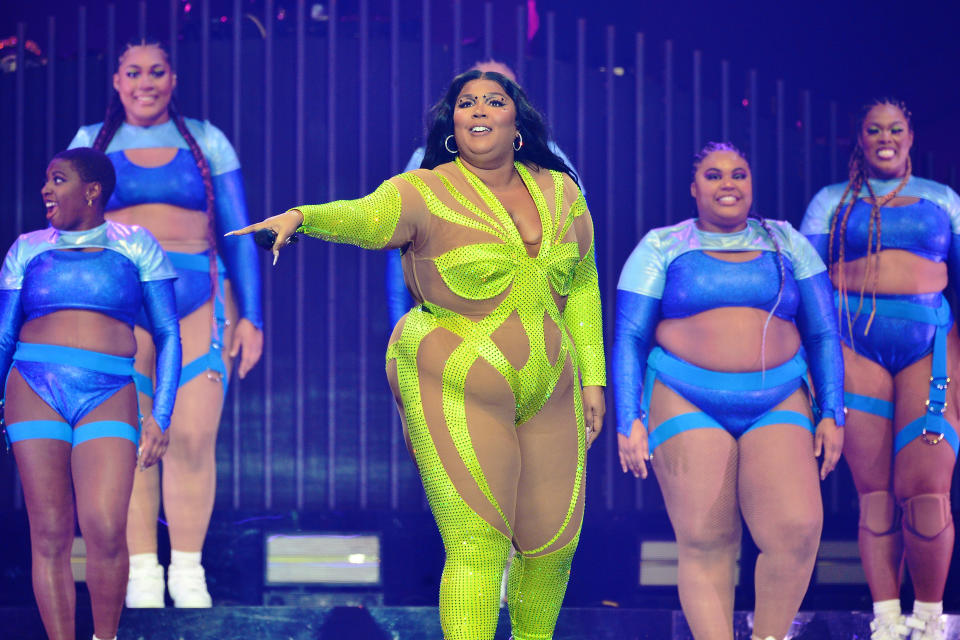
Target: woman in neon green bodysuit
{"type": "Point", "coordinates": [498, 372]}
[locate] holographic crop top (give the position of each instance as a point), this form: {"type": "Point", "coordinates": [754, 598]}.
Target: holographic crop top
{"type": "Point", "coordinates": [925, 228]}
{"type": "Point", "coordinates": [670, 264]}
{"type": "Point", "coordinates": [178, 182]}
{"type": "Point", "coordinates": [53, 278]}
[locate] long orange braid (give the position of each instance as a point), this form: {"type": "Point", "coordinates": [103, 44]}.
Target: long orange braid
{"type": "Point", "coordinates": [857, 180]}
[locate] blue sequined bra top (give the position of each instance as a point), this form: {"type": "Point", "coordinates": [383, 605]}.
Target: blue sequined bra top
{"type": "Point", "coordinates": [698, 282]}
{"type": "Point", "coordinates": [177, 183]}
{"type": "Point", "coordinates": [922, 228]}
{"type": "Point", "coordinates": [54, 273]}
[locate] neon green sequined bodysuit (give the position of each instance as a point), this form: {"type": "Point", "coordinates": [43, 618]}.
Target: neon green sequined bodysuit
{"type": "Point", "coordinates": [485, 371]}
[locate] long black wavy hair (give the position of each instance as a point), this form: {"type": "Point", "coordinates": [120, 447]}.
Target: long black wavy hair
{"type": "Point", "coordinates": [530, 124]}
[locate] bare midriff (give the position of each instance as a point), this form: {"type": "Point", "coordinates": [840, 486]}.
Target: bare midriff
{"type": "Point", "coordinates": [177, 229]}
{"type": "Point", "coordinates": [729, 339]}
{"type": "Point", "coordinates": [81, 329]}
{"type": "Point", "coordinates": [893, 271]}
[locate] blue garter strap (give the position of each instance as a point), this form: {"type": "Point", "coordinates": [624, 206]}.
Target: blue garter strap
{"type": "Point", "coordinates": [932, 420]}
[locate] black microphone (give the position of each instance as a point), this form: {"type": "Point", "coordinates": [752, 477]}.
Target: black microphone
{"type": "Point", "coordinates": [266, 237]}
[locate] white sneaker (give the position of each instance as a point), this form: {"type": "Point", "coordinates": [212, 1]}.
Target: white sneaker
{"type": "Point", "coordinates": [188, 587]}
{"type": "Point", "coordinates": [145, 587]}
{"type": "Point", "coordinates": [888, 628]}
{"type": "Point", "coordinates": [924, 628]}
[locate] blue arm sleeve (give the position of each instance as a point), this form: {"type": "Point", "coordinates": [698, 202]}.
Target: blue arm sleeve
{"type": "Point", "coordinates": [239, 252]}
{"type": "Point", "coordinates": [11, 318]}
{"type": "Point", "coordinates": [160, 303]}
{"type": "Point", "coordinates": [817, 322]}
{"type": "Point", "coordinates": [399, 300]}
{"type": "Point", "coordinates": [636, 322]}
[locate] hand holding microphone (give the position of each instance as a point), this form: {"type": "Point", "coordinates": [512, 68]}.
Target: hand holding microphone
{"type": "Point", "coordinates": [275, 232]}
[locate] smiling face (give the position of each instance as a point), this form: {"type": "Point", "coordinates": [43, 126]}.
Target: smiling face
{"type": "Point", "coordinates": [145, 83]}
{"type": "Point", "coordinates": [484, 121]}
{"type": "Point", "coordinates": [885, 138]}
{"type": "Point", "coordinates": [65, 196]}
{"type": "Point", "coordinates": [723, 190]}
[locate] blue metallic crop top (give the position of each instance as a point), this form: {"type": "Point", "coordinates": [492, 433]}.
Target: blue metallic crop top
{"type": "Point", "coordinates": [670, 264]}
{"type": "Point", "coordinates": [925, 228]}
{"type": "Point", "coordinates": [178, 182]}
{"type": "Point", "coordinates": [53, 278]}
{"type": "Point", "coordinates": [699, 282]}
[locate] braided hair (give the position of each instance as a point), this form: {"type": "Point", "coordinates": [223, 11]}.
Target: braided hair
{"type": "Point", "coordinates": [698, 159]}
{"type": "Point", "coordinates": [115, 117]}
{"type": "Point", "coordinates": [857, 179]}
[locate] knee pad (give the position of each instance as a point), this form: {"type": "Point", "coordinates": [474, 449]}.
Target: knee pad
{"type": "Point", "coordinates": [927, 515]}
{"type": "Point", "coordinates": [879, 513]}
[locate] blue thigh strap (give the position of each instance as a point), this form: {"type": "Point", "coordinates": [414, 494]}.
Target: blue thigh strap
{"type": "Point", "coordinates": [55, 430]}
{"type": "Point", "coordinates": [35, 429]}
{"type": "Point", "coordinates": [212, 360]}
{"type": "Point", "coordinates": [700, 420]}
{"type": "Point", "coordinates": [868, 404]}
{"type": "Point", "coordinates": [932, 420]}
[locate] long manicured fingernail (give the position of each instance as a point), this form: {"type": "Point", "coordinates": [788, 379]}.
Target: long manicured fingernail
{"type": "Point", "coordinates": [276, 256]}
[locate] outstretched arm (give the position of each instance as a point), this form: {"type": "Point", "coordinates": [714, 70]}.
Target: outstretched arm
{"type": "Point", "coordinates": [376, 221]}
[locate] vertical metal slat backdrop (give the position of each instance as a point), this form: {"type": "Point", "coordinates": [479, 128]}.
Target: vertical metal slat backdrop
{"type": "Point", "coordinates": [324, 107]}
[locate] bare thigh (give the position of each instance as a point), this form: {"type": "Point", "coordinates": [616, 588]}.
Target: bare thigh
{"type": "Point", "coordinates": [697, 473]}
{"type": "Point", "coordinates": [868, 438]}
{"type": "Point", "coordinates": [550, 496]}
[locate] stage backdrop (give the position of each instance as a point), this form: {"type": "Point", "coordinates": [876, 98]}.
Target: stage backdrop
{"type": "Point", "coordinates": [324, 102]}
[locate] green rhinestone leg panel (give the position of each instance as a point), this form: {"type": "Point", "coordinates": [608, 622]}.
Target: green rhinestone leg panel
{"type": "Point", "coordinates": [476, 552]}
{"type": "Point", "coordinates": [535, 591]}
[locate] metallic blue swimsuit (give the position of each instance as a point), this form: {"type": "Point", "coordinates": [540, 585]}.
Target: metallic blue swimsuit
{"type": "Point", "coordinates": [905, 328]}
{"type": "Point", "coordinates": [179, 183]}
{"type": "Point", "coordinates": [668, 275]}
{"type": "Point", "coordinates": [44, 272]}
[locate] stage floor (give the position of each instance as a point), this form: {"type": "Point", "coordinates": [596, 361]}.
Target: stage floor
{"type": "Point", "coordinates": [418, 623]}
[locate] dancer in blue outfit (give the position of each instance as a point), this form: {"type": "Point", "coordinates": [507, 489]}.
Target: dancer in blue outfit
{"type": "Point", "coordinates": [69, 295]}
{"type": "Point", "coordinates": [716, 319]}
{"type": "Point", "coordinates": [892, 241]}
{"type": "Point", "coordinates": [181, 179]}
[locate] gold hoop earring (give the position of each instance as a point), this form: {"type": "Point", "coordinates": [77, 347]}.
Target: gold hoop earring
{"type": "Point", "coordinates": [446, 145]}
{"type": "Point", "coordinates": [89, 202]}
{"type": "Point", "coordinates": [518, 145]}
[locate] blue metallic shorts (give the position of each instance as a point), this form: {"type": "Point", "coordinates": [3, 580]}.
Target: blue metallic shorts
{"type": "Point", "coordinates": [734, 402]}
{"type": "Point", "coordinates": [193, 289]}
{"type": "Point", "coordinates": [72, 382]}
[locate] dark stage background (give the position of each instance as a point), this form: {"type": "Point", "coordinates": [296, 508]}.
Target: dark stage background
{"type": "Point", "coordinates": [325, 101]}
